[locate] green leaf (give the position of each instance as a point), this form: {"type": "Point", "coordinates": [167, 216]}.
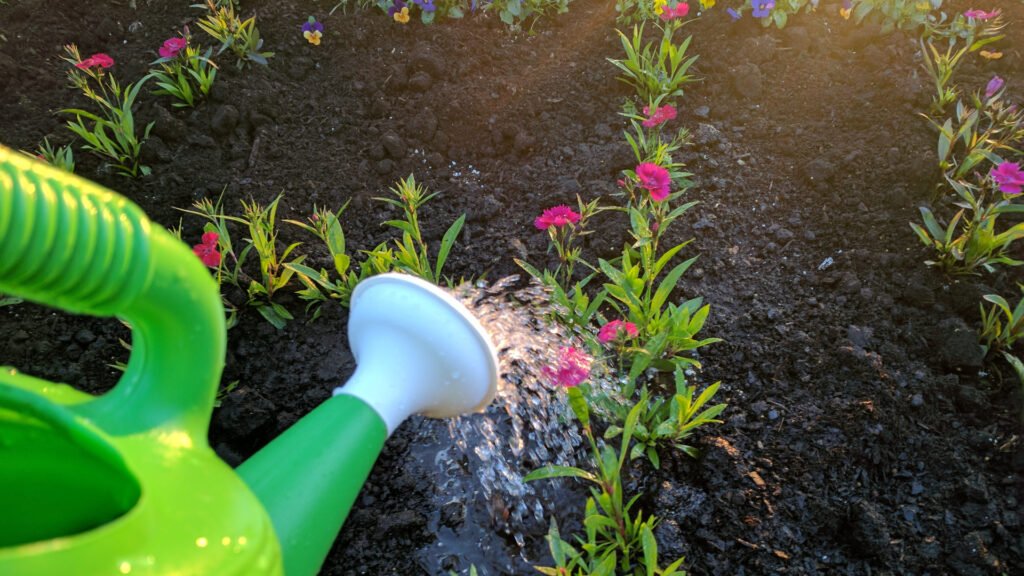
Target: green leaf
{"type": "Point", "coordinates": [446, 244]}
{"type": "Point", "coordinates": [579, 406]}
{"type": "Point", "coordinates": [553, 471]}
{"type": "Point", "coordinates": [650, 546]}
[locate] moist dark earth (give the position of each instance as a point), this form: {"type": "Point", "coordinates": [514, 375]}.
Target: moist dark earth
{"type": "Point", "coordinates": [865, 434]}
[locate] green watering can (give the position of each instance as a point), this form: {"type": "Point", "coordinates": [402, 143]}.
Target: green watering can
{"type": "Point", "coordinates": [126, 483]}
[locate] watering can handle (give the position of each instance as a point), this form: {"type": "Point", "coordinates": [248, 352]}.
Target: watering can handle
{"type": "Point", "coordinates": [72, 244]}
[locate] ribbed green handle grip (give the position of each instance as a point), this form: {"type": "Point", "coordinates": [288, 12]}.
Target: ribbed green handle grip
{"type": "Point", "coordinates": [72, 244]}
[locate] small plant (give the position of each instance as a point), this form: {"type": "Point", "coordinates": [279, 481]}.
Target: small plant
{"type": "Point", "coordinates": [979, 132]}
{"type": "Point", "coordinates": [940, 67]}
{"type": "Point", "coordinates": [410, 253]}
{"type": "Point", "coordinates": [184, 73]}
{"type": "Point", "coordinates": [1001, 326]}
{"type": "Point", "coordinates": [617, 540]}
{"type": "Point", "coordinates": [243, 38]}
{"type": "Point", "coordinates": [661, 421]}
{"type": "Point", "coordinates": [969, 240]}
{"type": "Point", "coordinates": [893, 14]}
{"type": "Point", "coordinates": [515, 12]}
{"type": "Point", "coordinates": [62, 157]}
{"type": "Point", "coordinates": [657, 73]}
{"type": "Point", "coordinates": [111, 133]}
{"type": "Point", "coordinates": [275, 273]}
{"type": "Point", "coordinates": [319, 287]}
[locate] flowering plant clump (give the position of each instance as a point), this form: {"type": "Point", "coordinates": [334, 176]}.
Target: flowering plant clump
{"type": "Point", "coordinates": [110, 133]}
{"type": "Point", "coordinates": [241, 36]}
{"type": "Point", "coordinates": [656, 70]}
{"type": "Point", "coordinates": [207, 250]}
{"type": "Point", "coordinates": [312, 31]}
{"type": "Point", "coordinates": [184, 72]}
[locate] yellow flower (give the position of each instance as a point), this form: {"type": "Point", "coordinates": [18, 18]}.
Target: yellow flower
{"type": "Point", "coordinates": [313, 37]}
{"type": "Point", "coordinates": [705, 4]}
{"type": "Point", "coordinates": [402, 16]}
{"type": "Point", "coordinates": [989, 55]}
{"type": "Point", "coordinates": [845, 13]}
{"type": "Point", "coordinates": [923, 6]}
{"type": "Point", "coordinates": [659, 6]}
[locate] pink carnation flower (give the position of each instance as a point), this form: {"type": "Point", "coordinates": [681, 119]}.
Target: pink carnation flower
{"type": "Point", "coordinates": [981, 14]}
{"type": "Point", "coordinates": [573, 368]}
{"type": "Point", "coordinates": [614, 329]}
{"type": "Point", "coordinates": [172, 46]}
{"type": "Point", "coordinates": [556, 216]}
{"type": "Point", "coordinates": [654, 179]}
{"type": "Point", "coordinates": [1009, 177]}
{"type": "Point", "coordinates": [680, 10]}
{"type": "Point", "coordinates": [99, 59]}
{"type": "Point", "coordinates": [660, 116]}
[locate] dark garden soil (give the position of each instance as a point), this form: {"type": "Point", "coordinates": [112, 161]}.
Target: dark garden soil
{"type": "Point", "coordinates": [865, 433]}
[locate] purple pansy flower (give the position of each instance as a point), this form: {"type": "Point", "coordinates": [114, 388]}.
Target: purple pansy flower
{"type": "Point", "coordinates": [396, 7]}
{"type": "Point", "coordinates": [733, 13]}
{"type": "Point", "coordinates": [761, 8]}
{"type": "Point", "coordinates": [425, 5]}
{"type": "Point", "coordinates": [313, 26]}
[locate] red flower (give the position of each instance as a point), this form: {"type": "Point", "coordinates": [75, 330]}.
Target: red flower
{"type": "Point", "coordinates": [172, 46]}
{"type": "Point", "coordinates": [99, 59]}
{"type": "Point", "coordinates": [615, 329]}
{"type": "Point", "coordinates": [207, 251]}
{"type": "Point", "coordinates": [679, 11]}
{"type": "Point", "coordinates": [556, 216]}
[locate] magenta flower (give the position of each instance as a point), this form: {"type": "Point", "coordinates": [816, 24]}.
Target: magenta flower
{"type": "Point", "coordinates": [99, 59]}
{"type": "Point", "coordinates": [680, 10]}
{"type": "Point", "coordinates": [994, 85]}
{"type": "Point", "coordinates": [172, 46]}
{"type": "Point", "coordinates": [981, 14]}
{"type": "Point", "coordinates": [1009, 177]}
{"type": "Point", "coordinates": [661, 115]}
{"type": "Point", "coordinates": [615, 329]}
{"type": "Point", "coordinates": [573, 368]}
{"type": "Point", "coordinates": [556, 216]}
{"type": "Point", "coordinates": [654, 179]}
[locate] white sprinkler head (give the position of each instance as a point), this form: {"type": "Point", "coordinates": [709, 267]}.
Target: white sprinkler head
{"type": "Point", "coordinates": [418, 351]}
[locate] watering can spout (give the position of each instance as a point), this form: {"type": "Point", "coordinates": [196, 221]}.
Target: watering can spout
{"type": "Point", "coordinates": [418, 352]}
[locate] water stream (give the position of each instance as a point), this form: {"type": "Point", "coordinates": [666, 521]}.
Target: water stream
{"type": "Point", "coordinates": [484, 514]}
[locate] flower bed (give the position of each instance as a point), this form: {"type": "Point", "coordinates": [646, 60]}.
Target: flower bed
{"type": "Point", "coordinates": [864, 431]}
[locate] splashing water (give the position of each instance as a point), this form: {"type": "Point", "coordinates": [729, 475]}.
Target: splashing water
{"type": "Point", "coordinates": [487, 515]}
